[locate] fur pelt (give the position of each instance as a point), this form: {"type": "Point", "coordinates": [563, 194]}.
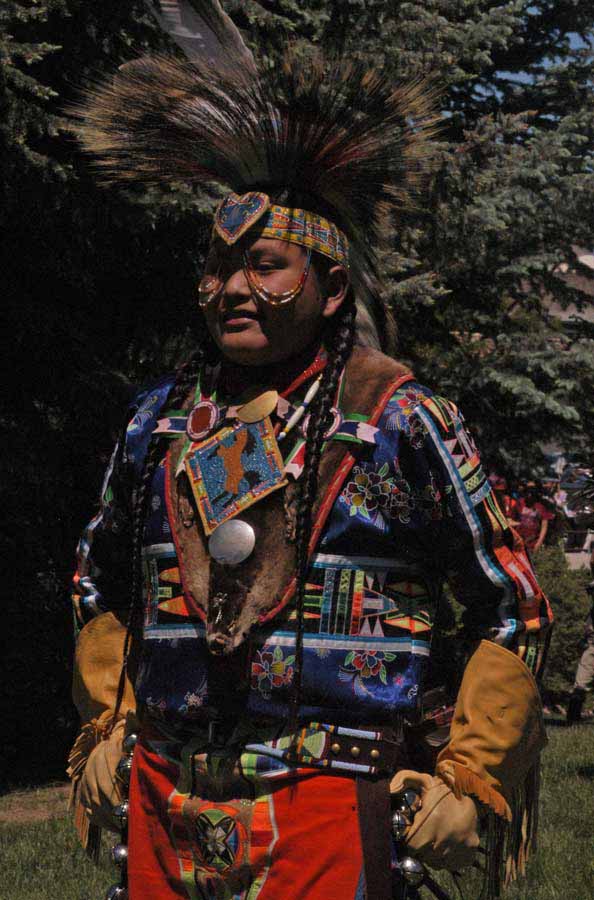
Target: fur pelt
{"type": "Point", "coordinates": [257, 586]}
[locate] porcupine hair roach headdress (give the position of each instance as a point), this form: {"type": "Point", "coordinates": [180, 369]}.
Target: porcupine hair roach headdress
{"type": "Point", "coordinates": [333, 138]}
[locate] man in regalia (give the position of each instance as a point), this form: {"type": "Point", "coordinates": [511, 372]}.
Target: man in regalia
{"type": "Point", "coordinates": [257, 593]}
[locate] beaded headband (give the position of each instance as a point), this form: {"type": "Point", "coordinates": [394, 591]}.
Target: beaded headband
{"type": "Point", "coordinates": [237, 214]}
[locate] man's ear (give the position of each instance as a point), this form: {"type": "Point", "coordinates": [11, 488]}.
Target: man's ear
{"type": "Point", "coordinates": [335, 287]}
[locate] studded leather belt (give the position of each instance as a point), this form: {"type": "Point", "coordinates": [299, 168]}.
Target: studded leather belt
{"type": "Point", "coordinates": [360, 751]}
{"type": "Point", "coordinates": [336, 747]}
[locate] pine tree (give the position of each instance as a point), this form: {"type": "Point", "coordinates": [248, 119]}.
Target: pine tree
{"type": "Point", "coordinates": [83, 272]}
{"type": "Point", "coordinates": [24, 98]}
{"type": "Point", "coordinates": [472, 277]}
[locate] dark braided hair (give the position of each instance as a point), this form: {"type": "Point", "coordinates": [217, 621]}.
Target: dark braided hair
{"type": "Point", "coordinates": [185, 379]}
{"type": "Point", "coordinates": [339, 344]}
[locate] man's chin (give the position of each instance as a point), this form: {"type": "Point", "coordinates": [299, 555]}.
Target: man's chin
{"type": "Point", "coordinates": [246, 349]}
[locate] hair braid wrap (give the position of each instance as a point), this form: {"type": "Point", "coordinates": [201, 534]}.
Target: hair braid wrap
{"type": "Point", "coordinates": [339, 345]}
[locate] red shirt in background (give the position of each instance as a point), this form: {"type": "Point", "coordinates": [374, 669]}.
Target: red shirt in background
{"type": "Point", "coordinates": [529, 520]}
{"type": "Point", "coordinates": [508, 503]}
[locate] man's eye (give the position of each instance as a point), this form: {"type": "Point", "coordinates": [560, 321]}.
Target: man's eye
{"type": "Point", "coordinates": [261, 266]}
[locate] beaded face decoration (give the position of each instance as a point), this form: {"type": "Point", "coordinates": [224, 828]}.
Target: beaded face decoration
{"type": "Point", "coordinates": [236, 215]}
{"type": "Point", "coordinates": [260, 284]}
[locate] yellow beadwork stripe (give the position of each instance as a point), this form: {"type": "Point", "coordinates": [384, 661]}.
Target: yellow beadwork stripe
{"type": "Point", "coordinates": [298, 226]}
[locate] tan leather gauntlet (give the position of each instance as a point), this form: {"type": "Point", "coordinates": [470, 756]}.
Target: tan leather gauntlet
{"type": "Point", "coordinates": [98, 747]}
{"type": "Point", "coordinates": [100, 789]}
{"type": "Point", "coordinates": [497, 731]}
{"type": "Point", "coordinates": [496, 737]}
{"type": "Point", "coordinates": [97, 667]}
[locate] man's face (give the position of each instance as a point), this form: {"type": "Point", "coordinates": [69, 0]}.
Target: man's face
{"type": "Point", "coordinates": [250, 331]}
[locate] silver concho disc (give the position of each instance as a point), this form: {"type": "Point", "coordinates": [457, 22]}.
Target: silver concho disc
{"type": "Point", "coordinates": [232, 542]}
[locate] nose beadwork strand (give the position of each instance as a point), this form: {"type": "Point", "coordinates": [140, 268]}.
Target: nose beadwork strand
{"type": "Point", "coordinates": [275, 298]}
{"type": "Point", "coordinates": [211, 286]}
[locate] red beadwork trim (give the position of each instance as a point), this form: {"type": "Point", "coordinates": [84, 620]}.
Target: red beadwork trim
{"type": "Point", "coordinates": [316, 366]}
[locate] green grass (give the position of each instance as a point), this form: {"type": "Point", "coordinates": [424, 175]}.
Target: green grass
{"type": "Point", "coordinates": [42, 861]}
{"type": "Point", "coordinates": [563, 866]}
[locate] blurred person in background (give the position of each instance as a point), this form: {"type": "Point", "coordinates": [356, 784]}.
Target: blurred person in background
{"type": "Point", "coordinates": [503, 495]}
{"type": "Point", "coordinates": [533, 517]}
{"type": "Point", "coordinates": [584, 676]}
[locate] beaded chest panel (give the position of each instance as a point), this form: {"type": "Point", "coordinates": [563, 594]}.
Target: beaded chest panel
{"type": "Point", "coordinates": [233, 469]}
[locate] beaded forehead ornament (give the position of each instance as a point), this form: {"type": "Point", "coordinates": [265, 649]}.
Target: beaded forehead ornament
{"type": "Point", "coordinates": [238, 214]}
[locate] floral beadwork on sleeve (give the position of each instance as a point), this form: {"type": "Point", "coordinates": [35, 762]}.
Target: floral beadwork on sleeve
{"type": "Point", "coordinates": [374, 493]}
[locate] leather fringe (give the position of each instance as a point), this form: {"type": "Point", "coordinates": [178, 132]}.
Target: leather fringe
{"type": "Point", "coordinates": [89, 835]}
{"type": "Point", "coordinates": [464, 782]}
{"type": "Point", "coordinates": [522, 837]}
{"type": "Point", "coordinates": [90, 735]}
{"type": "Point", "coordinates": [510, 844]}
{"type": "Point", "coordinates": [511, 828]}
